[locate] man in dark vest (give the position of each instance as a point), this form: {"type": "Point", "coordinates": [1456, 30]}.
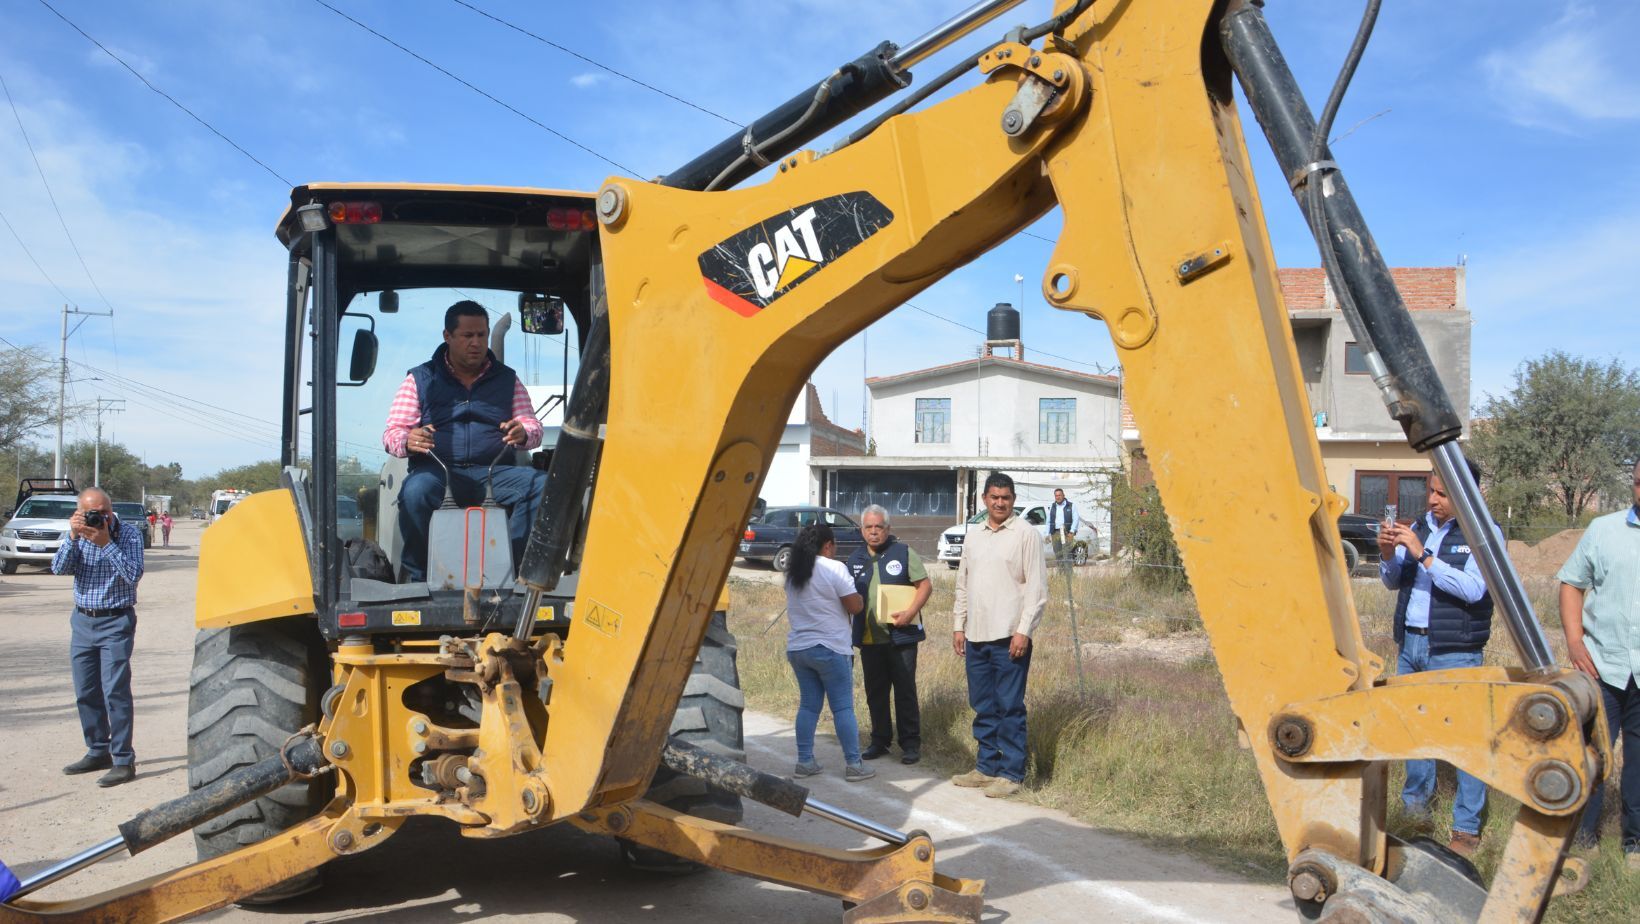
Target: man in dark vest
{"type": "Point", "coordinates": [463, 406]}
{"type": "Point", "coordinates": [1062, 524]}
{"type": "Point", "coordinates": [888, 641]}
{"type": "Point", "coordinates": [1443, 618]}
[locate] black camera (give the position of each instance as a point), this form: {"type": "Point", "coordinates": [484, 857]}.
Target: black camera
{"type": "Point", "coordinates": [95, 519]}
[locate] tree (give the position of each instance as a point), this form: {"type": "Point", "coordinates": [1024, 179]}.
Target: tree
{"type": "Point", "coordinates": [1570, 425]}
{"type": "Point", "coordinates": [258, 476]}
{"type": "Point", "coordinates": [25, 397]}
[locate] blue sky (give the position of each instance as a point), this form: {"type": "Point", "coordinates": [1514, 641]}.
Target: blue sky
{"type": "Point", "coordinates": [1503, 133]}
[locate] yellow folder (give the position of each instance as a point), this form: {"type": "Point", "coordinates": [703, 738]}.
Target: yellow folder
{"type": "Point", "coordinates": [892, 598]}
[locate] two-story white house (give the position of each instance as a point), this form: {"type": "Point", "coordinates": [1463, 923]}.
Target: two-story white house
{"type": "Point", "coordinates": [937, 433]}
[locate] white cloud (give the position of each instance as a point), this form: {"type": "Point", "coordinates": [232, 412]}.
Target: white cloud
{"type": "Point", "coordinates": [1558, 290]}
{"type": "Point", "coordinates": [1574, 67]}
{"type": "Point", "coordinates": [144, 65]}
{"type": "Point", "coordinates": [588, 79]}
{"type": "Point", "coordinates": [178, 275]}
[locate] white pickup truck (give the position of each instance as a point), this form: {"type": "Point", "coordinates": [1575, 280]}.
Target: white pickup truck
{"type": "Point", "coordinates": [1088, 544]}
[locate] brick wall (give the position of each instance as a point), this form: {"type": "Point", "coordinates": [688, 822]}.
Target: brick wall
{"type": "Point", "coordinates": [1425, 288]}
{"type": "Point", "coordinates": [827, 438]}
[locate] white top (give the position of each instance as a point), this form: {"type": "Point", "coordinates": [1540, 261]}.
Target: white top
{"type": "Point", "coordinates": [816, 612]}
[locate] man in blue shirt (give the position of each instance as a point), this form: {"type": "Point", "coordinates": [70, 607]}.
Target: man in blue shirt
{"type": "Point", "coordinates": [105, 557]}
{"type": "Point", "coordinates": [1443, 617]}
{"type": "Point", "coordinates": [1600, 611]}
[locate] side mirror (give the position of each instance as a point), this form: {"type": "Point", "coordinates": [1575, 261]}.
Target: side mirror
{"type": "Point", "coordinates": [388, 302]}
{"type": "Point", "coordinates": [363, 364]}
{"type": "Point", "coordinates": [540, 314]}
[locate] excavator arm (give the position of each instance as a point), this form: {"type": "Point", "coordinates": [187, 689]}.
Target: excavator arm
{"type": "Point", "coordinates": [722, 303]}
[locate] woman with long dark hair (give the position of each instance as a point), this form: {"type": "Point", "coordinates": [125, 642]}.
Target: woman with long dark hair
{"type": "Point", "coordinates": [820, 602]}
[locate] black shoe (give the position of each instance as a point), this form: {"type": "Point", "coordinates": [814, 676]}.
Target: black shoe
{"type": "Point", "coordinates": [910, 757]}
{"type": "Point", "coordinates": [875, 751]}
{"type": "Point", "coordinates": [122, 773]}
{"type": "Point", "coordinates": [89, 763]}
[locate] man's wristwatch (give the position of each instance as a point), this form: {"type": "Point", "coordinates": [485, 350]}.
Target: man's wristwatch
{"type": "Point", "coordinates": [1428, 554]}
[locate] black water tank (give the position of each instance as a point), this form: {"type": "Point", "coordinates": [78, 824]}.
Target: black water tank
{"type": "Point", "coordinates": [1002, 323]}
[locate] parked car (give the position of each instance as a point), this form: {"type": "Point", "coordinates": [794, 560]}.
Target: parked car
{"type": "Point", "coordinates": [1085, 546]}
{"type": "Point", "coordinates": [1360, 535]}
{"type": "Point", "coordinates": [134, 514]}
{"type": "Point", "coordinates": [197, 513]}
{"type": "Point", "coordinates": [35, 531]}
{"type": "Point", "coordinates": [349, 519]}
{"type": "Point", "coordinates": [770, 537]}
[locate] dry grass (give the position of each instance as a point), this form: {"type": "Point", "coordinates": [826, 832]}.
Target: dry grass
{"type": "Point", "coordinates": [1144, 742]}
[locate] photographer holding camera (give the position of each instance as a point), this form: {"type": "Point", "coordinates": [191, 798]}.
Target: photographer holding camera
{"type": "Point", "coordinates": [106, 561]}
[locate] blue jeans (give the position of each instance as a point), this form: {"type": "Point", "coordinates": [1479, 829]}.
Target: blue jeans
{"type": "Point", "coordinates": [823, 674]}
{"type": "Point", "coordinates": [996, 692]}
{"type": "Point", "coordinates": [517, 488]}
{"type": "Point", "coordinates": [99, 651]}
{"type": "Point", "coordinates": [1420, 785]}
{"type": "Point", "coordinates": [1622, 715]}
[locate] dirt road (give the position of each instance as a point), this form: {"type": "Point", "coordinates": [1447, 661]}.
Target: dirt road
{"type": "Point", "coordinates": [1041, 866]}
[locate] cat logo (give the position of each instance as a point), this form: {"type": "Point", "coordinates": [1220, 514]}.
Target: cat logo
{"type": "Point", "coordinates": [779, 266]}
{"type": "Point", "coordinates": [749, 271]}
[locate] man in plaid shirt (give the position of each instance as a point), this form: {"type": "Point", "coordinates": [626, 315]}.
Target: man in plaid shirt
{"type": "Point", "coordinates": [464, 406]}
{"type": "Point", "coordinates": [106, 561]}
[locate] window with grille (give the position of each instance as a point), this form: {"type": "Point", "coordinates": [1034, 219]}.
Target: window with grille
{"type": "Point", "coordinates": [933, 420]}
{"type": "Point", "coordinates": [1056, 420]}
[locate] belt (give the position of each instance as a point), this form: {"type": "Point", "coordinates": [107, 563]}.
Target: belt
{"type": "Point", "coordinates": [111, 611]}
{"type": "Point", "coordinates": [1418, 630]}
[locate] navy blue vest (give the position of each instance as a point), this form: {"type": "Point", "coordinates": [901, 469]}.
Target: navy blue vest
{"type": "Point", "coordinates": [896, 553]}
{"type": "Point", "coordinates": [1453, 624]}
{"type": "Point", "coordinates": [1057, 523]}
{"type": "Point", "coordinates": [467, 422]}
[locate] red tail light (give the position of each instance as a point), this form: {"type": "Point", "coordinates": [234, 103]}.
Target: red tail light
{"type": "Point", "coordinates": [356, 213]}
{"type": "Point", "coordinates": [749, 535]}
{"type": "Point", "coordinates": [351, 620]}
{"type": "Point", "coordinates": [571, 220]}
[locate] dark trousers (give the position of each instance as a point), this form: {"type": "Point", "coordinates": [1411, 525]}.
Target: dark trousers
{"type": "Point", "coordinates": [1622, 715]}
{"type": "Point", "coordinates": [996, 692]}
{"type": "Point", "coordinates": [893, 668]}
{"type": "Point", "coordinates": [99, 651]}
{"type": "Point", "coordinates": [517, 488]}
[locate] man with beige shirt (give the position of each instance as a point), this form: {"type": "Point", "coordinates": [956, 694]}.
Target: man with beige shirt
{"type": "Point", "coordinates": [1002, 588]}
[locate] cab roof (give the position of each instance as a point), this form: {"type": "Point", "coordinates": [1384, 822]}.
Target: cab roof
{"type": "Point", "coordinates": [425, 235]}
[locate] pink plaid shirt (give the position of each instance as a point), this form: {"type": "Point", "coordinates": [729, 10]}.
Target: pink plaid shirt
{"type": "Point", "coordinates": [405, 415]}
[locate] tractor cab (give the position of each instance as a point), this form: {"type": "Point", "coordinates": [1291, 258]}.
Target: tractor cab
{"type": "Point", "coordinates": [372, 270]}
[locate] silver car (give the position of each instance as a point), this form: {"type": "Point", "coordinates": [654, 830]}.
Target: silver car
{"type": "Point", "coordinates": [35, 531]}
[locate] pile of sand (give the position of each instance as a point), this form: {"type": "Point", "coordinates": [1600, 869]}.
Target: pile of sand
{"type": "Point", "coordinates": [1544, 558]}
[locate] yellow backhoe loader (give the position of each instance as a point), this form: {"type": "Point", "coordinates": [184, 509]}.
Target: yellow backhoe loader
{"type": "Point", "coordinates": [333, 699]}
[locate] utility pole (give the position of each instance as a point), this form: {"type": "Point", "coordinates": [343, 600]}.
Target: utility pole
{"type": "Point", "coordinates": [62, 379]}
{"type": "Point", "coordinates": [103, 404]}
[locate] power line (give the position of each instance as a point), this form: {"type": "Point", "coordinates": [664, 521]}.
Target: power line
{"type": "Point", "coordinates": [575, 54]}
{"type": "Point", "coordinates": [30, 253]}
{"type": "Point", "coordinates": [507, 106]}
{"type": "Point", "coordinates": [168, 97]}
{"type": "Point", "coordinates": [58, 209]}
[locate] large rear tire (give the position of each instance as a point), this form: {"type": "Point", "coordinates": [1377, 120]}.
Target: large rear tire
{"type": "Point", "coordinates": [252, 687]}
{"type": "Point", "coordinates": [710, 715]}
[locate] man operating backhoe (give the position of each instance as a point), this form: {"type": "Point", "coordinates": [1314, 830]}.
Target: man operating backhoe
{"type": "Point", "coordinates": [465, 407]}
